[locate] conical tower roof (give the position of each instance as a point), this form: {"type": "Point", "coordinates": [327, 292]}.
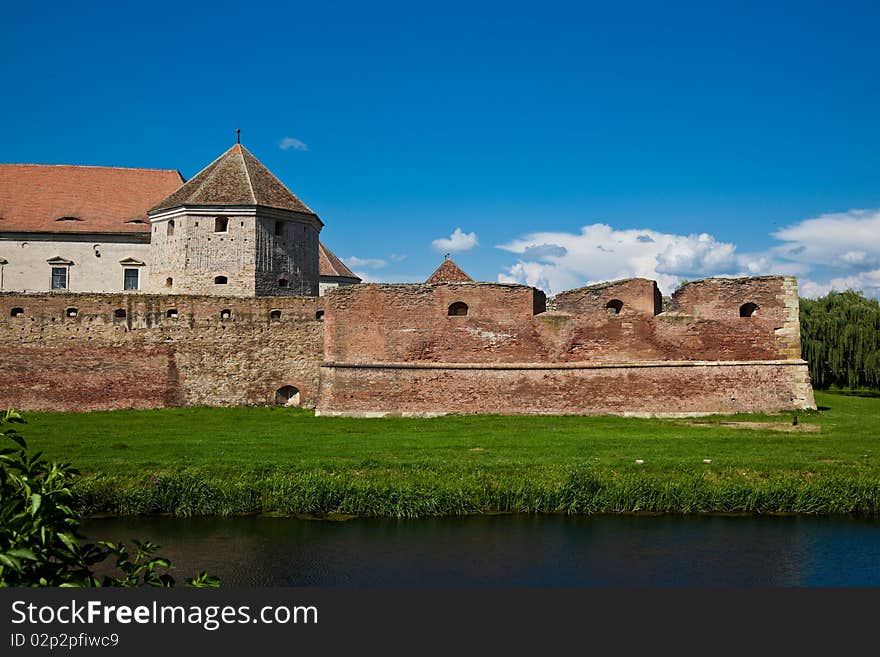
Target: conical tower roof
{"type": "Point", "coordinates": [234, 178]}
{"type": "Point", "coordinates": [449, 272]}
{"type": "Point", "coordinates": [330, 265]}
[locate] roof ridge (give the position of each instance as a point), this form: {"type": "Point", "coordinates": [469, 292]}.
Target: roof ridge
{"type": "Point", "coordinates": [86, 166]}
{"type": "Point", "coordinates": [239, 148]}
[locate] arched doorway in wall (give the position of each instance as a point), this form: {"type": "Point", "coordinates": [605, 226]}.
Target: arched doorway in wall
{"type": "Point", "coordinates": [287, 396]}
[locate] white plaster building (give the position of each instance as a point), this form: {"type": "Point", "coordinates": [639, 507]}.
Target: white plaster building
{"type": "Point", "coordinates": [234, 229]}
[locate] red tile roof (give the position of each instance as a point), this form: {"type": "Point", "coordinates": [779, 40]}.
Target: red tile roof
{"type": "Point", "coordinates": [234, 178]}
{"type": "Point", "coordinates": [330, 265]}
{"type": "Point", "coordinates": [449, 272]}
{"type": "Point", "coordinates": [33, 197]}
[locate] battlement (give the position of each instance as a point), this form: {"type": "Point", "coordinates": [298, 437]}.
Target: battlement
{"type": "Point", "coordinates": [722, 345]}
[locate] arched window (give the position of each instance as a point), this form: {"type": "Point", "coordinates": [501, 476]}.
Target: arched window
{"type": "Point", "coordinates": [169, 282]}
{"type": "Point", "coordinates": [17, 312]}
{"type": "Point", "coordinates": [119, 313]}
{"type": "Point", "coordinates": [319, 315]}
{"type": "Point", "coordinates": [283, 282]}
{"type": "Point", "coordinates": [171, 313]}
{"type": "Point", "coordinates": [226, 314]}
{"type": "Point", "coordinates": [275, 314]}
{"type": "Point", "coordinates": [614, 307]}
{"type": "Point", "coordinates": [748, 309]}
{"type": "Point", "coordinates": [287, 396]}
{"type": "Point", "coordinates": [221, 224]}
{"type": "Point", "coordinates": [220, 280]}
{"type": "Point", "coordinates": [170, 228]}
{"type": "Point", "coordinates": [458, 309]}
{"type": "Point", "coordinates": [71, 312]}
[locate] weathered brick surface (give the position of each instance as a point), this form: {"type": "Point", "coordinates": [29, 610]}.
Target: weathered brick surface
{"type": "Point", "coordinates": [409, 323]}
{"type": "Point", "coordinates": [148, 359]}
{"type": "Point", "coordinates": [394, 349]}
{"type": "Point", "coordinates": [665, 390]}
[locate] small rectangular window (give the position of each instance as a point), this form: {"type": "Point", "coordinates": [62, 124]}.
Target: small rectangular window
{"type": "Point", "coordinates": [131, 279]}
{"type": "Point", "coordinates": [279, 228]}
{"type": "Point", "coordinates": [59, 278]}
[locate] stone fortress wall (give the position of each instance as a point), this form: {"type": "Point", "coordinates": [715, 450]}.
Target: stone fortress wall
{"type": "Point", "coordinates": [724, 345]}
{"type": "Point", "coordinates": [73, 352]}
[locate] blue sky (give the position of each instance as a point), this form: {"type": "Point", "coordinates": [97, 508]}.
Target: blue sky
{"type": "Point", "coordinates": [554, 144]}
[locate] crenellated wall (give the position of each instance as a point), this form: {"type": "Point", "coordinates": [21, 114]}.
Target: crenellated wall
{"type": "Point", "coordinates": [395, 349]}
{"type": "Point", "coordinates": [723, 345]}
{"type": "Point", "coordinates": [107, 351]}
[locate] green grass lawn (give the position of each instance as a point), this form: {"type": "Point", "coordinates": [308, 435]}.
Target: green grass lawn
{"type": "Point", "coordinates": [231, 460]}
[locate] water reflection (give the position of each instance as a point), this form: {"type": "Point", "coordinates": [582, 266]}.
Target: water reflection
{"type": "Point", "coordinates": [516, 550]}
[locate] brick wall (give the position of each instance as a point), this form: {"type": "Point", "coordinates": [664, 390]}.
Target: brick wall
{"type": "Point", "coordinates": [165, 351]}
{"type": "Point", "coordinates": [397, 349]}
{"type": "Point", "coordinates": [662, 389]}
{"type": "Point", "coordinates": [604, 348]}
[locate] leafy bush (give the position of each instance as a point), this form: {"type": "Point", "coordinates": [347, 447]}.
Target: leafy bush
{"type": "Point", "coordinates": [39, 543]}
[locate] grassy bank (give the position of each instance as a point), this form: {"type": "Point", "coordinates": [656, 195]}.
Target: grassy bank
{"type": "Point", "coordinates": [244, 460]}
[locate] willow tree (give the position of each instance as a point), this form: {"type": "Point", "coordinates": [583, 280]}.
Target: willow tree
{"type": "Point", "coordinates": [840, 337]}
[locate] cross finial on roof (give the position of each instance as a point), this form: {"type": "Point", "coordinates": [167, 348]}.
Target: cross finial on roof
{"type": "Point", "coordinates": [238, 135]}
{"type": "Point", "coordinates": [446, 256]}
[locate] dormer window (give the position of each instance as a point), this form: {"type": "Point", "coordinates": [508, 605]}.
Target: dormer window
{"type": "Point", "coordinates": [136, 221]}
{"type": "Point", "coordinates": [68, 219]}
{"type": "Point", "coordinates": [221, 224]}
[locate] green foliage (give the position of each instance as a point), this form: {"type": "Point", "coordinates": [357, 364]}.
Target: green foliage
{"type": "Point", "coordinates": [840, 337]}
{"type": "Point", "coordinates": [39, 543]}
{"type": "Point", "coordinates": [228, 461]}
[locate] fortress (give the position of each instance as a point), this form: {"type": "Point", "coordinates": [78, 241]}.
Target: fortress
{"type": "Point", "coordinates": [132, 288]}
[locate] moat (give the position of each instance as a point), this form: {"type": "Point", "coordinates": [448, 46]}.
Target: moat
{"type": "Point", "coordinates": [514, 550]}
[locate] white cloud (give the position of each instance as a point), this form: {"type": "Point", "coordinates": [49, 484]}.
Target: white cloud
{"type": "Point", "coordinates": [829, 252]}
{"type": "Point", "coordinates": [289, 143]}
{"type": "Point", "coordinates": [369, 263]}
{"type": "Point", "coordinates": [458, 241]}
{"type": "Point", "coordinates": [866, 281]}
{"type": "Point", "coordinates": [843, 240]}
{"type": "Point", "coordinates": [398, 257]}
{"type": "Point", "coordinates": [556, 261]}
